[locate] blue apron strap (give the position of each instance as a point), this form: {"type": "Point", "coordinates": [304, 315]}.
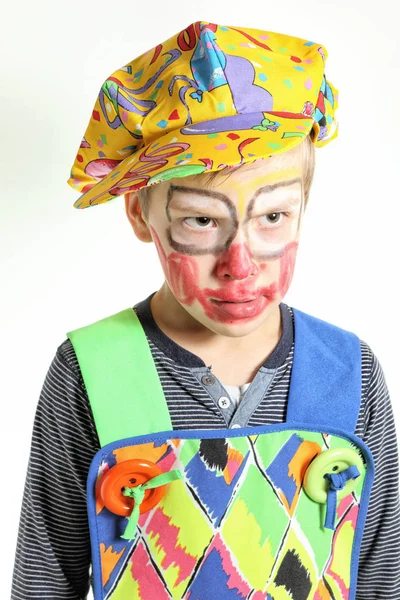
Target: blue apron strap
{"type": "Point", "coordinates": [325, 385]}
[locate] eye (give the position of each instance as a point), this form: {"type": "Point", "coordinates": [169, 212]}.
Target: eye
{"type": "Point", "coordinates": [202, 221]}
{"type": "Point", "coordinates": [273, 218]}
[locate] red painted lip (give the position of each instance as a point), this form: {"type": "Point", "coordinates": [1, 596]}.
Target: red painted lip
{"type": "Point", "coordinates": [224, 296]}
{"type": "Point", "coordinates": [243, 310]}
{"type": "Point", "coordinates": [235, 300]}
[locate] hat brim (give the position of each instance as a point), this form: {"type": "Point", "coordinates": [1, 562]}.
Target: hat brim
{"type": "Point", "coordinates": [194, 149]}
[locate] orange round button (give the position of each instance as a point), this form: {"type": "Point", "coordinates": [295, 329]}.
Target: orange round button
{"type": "Point", "coordinates": [130, 473]}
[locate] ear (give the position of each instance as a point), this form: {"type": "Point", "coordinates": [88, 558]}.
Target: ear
{"type": "Point", "coordinates": [135, 217]}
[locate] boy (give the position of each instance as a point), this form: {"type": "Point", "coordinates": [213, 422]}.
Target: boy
{"type": "Point", "coordinates": [220, 188]}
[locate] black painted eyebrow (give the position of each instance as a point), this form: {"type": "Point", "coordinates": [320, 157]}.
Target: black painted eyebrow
{"type": "Point", "coordinates": [273, 186]}
{"type": "Point", "coordinates": [200, 191]}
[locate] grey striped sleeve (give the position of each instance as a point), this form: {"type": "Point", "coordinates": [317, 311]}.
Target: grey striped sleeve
{"type": "Point", "coordinates": [379, 565]}
{"type": "Point", "coordinates": [53, 551]}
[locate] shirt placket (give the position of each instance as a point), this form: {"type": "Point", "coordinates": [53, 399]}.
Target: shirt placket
{"type": "Point", "coordinates": [233, 416]}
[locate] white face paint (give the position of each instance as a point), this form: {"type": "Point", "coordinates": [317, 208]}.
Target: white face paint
{"type": "Point", "coordinates": [205, 221]}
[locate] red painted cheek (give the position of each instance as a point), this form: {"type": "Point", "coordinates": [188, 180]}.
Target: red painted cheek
{"type": "Point", "coordinates": [160, 250]}
{"type": "Point", "coordinates": [183, 276]}
{"type": "Point", "coordinates": [181, 272]}
{"type": "Point", "coordinates": [288, 261]}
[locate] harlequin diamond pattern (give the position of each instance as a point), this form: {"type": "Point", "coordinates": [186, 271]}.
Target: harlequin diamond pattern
{"type": "Point", "coordinates": [240, 525]}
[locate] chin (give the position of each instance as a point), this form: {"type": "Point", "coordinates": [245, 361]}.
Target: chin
{"type": "Point", "coordinates": [235, 328]}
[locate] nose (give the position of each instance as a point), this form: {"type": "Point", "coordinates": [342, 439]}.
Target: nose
{"type": "Point", "coordinates": [236, 262]}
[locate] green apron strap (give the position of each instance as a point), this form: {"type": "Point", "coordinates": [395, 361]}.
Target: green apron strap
{"type": "Point", "coordinates": [120, 376]}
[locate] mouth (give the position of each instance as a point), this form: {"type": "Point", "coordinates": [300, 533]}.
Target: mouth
{"type": "Point", "coordinates": [226, 296]}
{"type": "Point", "coordinates": [236, 301]}
{"type": "Point", "coordinates": [241, 308]}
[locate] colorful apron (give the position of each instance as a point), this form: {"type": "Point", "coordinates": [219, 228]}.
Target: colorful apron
{"type": "Point", "coordinates": [272, 512]}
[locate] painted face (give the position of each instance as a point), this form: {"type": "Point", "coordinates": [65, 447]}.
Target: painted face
{"type": "Point", "coordinates": [228, 249]}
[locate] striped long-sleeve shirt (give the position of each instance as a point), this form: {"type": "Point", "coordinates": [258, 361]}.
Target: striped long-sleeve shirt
{"type": "Point", "coordinates": [53, 558]}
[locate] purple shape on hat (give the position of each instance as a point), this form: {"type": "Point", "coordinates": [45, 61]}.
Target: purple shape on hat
{"type": "Point", "coordinates": [239, 75]}
{"type": "Point", "coordinates": [231, 123]}
{"type": "Point", "coordinates": [247, 96]}
{"type": "Point", "coordinates": [213, 68]}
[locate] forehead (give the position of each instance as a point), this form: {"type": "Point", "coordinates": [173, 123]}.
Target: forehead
{"type": "Point", "coordinates": [248, 182]}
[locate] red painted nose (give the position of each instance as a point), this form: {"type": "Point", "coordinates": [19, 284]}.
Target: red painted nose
{"type": "Point", "coordinates": [236, 262]}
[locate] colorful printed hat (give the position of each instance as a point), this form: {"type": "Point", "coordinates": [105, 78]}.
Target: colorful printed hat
{"type": "Point", "coordinates": [209, 97]}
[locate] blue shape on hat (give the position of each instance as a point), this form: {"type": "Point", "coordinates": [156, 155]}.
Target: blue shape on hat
{"type": "Point", "coordinates": [208, 63]}
{"type": "Point", "coordinates": [163, 123]}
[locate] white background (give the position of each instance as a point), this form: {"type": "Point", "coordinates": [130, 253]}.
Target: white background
{"type": "Point", "coordinates": [62, 268]}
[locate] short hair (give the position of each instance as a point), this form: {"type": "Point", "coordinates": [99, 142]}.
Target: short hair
{"type": "Point", "coordinates": [306, 147]}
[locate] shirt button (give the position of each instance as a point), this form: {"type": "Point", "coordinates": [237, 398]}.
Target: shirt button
{"type": "Point", "coordinates": [208, 379]}
{"type": "Point", "coordinates": [235, 426]}
{"type": "Point", "coordinates": [224, 402]}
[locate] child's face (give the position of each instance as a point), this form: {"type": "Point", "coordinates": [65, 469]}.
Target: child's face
{"type": "Point", "coordinates": [228, 249]}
